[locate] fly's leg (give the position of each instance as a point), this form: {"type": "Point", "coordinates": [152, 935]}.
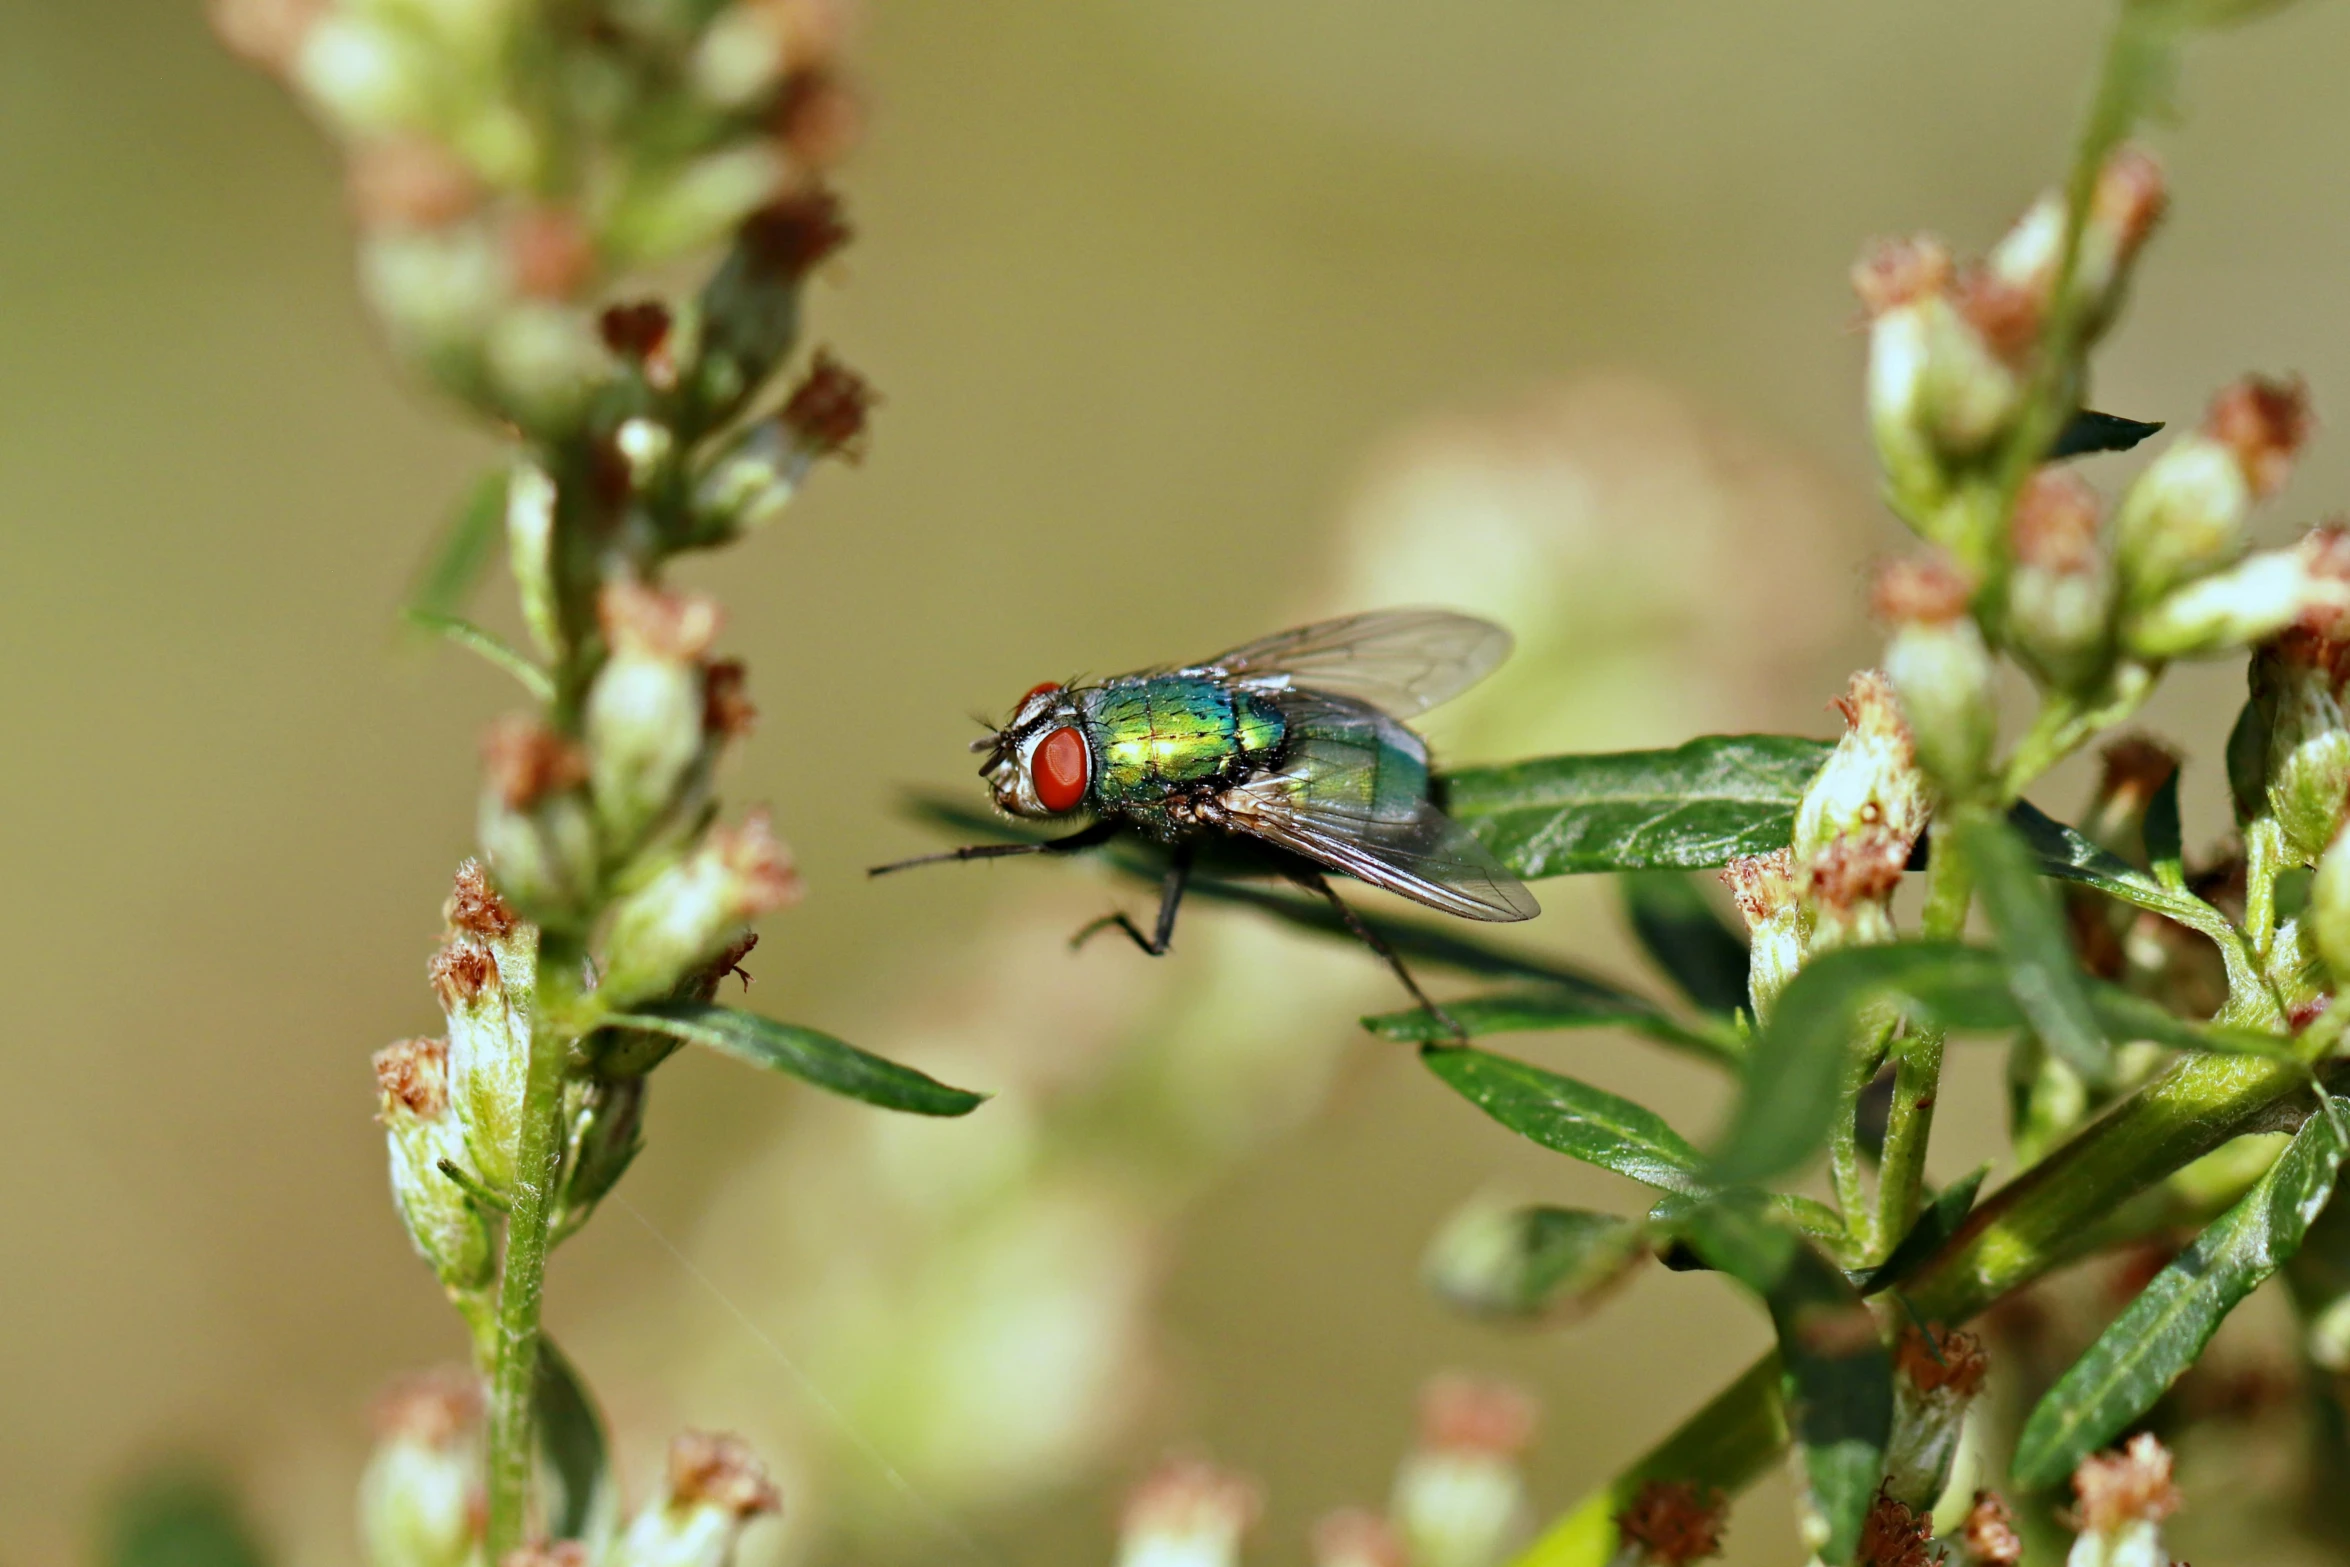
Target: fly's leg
{"type": "Point", "coordinates": [1170, 899]}
{"type": "Point", "coordinates": [1313, 880]}
{"type": "Point", "coordinates": [1085, 838]}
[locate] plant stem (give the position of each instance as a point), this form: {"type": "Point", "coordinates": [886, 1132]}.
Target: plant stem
{"type": "Point", "coordinates": [1917, 1075]}
{"type": "Point", "coordinates": [522, 1279]}
{"type": "Point", "coordinates": [1844, 1145]}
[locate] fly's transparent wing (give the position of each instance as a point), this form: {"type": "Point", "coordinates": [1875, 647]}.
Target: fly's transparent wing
{"type": "Point", "coordinates": [1401, 661]}
{"type": "Point", "coordinates": [1353, 795]}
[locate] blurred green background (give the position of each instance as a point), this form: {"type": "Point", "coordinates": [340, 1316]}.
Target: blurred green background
{"type": "Point", "coordinates": [1193, 317]}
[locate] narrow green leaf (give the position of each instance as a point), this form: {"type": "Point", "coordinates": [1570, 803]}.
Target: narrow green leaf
{"type": "Point", "coordinates": [1529, 1262]}
{"type": "Point", "coordinates": [821, 1059]}
{"type": "Point", "coordinates": [1700, 804]}
{"type": "Point", "coordinates": [1587, 1005]}
{"type": "Point", "coordinates": [1687, 937]}
{"type": "Point", "coordinates": [2040, 967]}
{"type": "Point", "coordinates": [571, 1439]}
{"type": "Point", "coordinates": [489, 645]}
{"type": "Point", "coordinates": [467, 544]}
{"type": "Point", "coordinates": [2088, 431]}
{"type": "Point", "coordinates": [2161, 1333]}
{"type": "Point", "coordinates": [1929, 1234]}
{"type": "Point", "coordinates": [2163, 848]}
{"type": "Point", "coordinates": [1569, 1117]}
{"type": "Point", "coordinates": [1810, 1217]}
{"type": "Point", "coordinates": [178, 1517]}
{"type": "Point", "coordinates": [1837, 1377]}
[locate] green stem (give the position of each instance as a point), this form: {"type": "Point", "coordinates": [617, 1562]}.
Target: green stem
{"type": "Point", "coordinates": [1844, 1146]}
{"type": "Point", "coordinates": [522, 1279]}
{"type": "Point", "coordinates": [1917, 1075]}
{"type": "Point", "coordinates": [2264, 861]}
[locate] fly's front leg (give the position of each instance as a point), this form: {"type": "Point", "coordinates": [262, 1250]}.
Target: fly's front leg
{"type": "Point", "coordinates": [1314, 881]}
{"type": "Point", "coordinates": [1085, 838]}
{"type": "Point", "coordinates": [1170, 899]}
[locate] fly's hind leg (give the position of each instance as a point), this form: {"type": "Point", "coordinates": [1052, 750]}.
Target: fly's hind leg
{"type": "Point", "coordinates": [1170, 899]}
{"type": "Point", "coordinates": [1313, 880]}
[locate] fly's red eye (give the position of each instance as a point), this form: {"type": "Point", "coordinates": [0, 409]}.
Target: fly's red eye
{"type": "Point", "coordinates": [1034, 692]}
{"type": "Point", "coordinates": [1059, 768]}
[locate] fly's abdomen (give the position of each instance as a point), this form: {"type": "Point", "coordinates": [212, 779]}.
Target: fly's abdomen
{"type": "Point", "coordinates": [1162, 733]}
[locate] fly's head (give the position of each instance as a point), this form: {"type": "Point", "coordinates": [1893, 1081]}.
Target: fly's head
{"type": "Point", "coordinates": [1038, 765]}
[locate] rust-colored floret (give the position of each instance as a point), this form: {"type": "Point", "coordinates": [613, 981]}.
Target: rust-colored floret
{"type": "Point", "coordinates": [461, 971]}
{"type": "Point", "coordinates": [1185, 1498]}
{"type": "Point", "coordinates": [474, 905]}
{"type": "Point", "coordinates": [711, 1469]}
{"type": "Point", "coordinates": [816, 117]}
{"type": "Point", "coordinates": [413, 1075]}
{"type": "Point", "coordinates": [726, 708]}
{"type": "Point", "coordinates": [1463, 1414]}
{"type": "Point", "coordinates": [1988, 1536]}
{"type": "Point", "coordinates": [2265, 423]}
{"type": "Point", "coordinates": [1862, 867]}
{"type": "Point", "coordinates": [2132, 195]}
{"type": "Point", "coordinates": [1919, 590]}
{"type": "Point", "coordinates": [1894, 272]}
{"type": "Point", "coordinates": [1947, 1360]}
{"type": "Point", "coordinates": [651, 623]}
{"type": "Point", "coordinates": [1762, 885]}
{"type": "Point", "coordinates": [760, 864]}
{"type": "Point", "coordinates": [433, 1408]}
{"type": "Point", "coordinates": [790, 236]}
{"type": "Point", "coordinates": [1673, 1523]}
{"type": "Point", "coordinates": [409, 182]}
{"type": "Point", "coordinates": [2114, 1489]}
{"type": "Point", "coordinates": [2055, 526]}
{"type": "Point", "coordinates": [1894, 1536]}
{"type": "Point", "coordinates": [828, 410]}
{"type": "Point", "coordinates": [635, 330]}
{"type": "Point", "coordinates": [2007, 314]}
{"type": "Point", "coordinates": [525, 761]}
{"type": "Point", "coordinates": [2135, 765]}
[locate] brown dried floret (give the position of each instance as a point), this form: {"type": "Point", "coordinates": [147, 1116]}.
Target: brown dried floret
{"type": "Point", "coordinates": [474, 905]}
{"type": "Point", "coordinates": [1919, 590]}
{"type": "Point", "coordinates": [2264, 422]}
{"type": "Point", "coordinates": [1894, 272]}
{"type": "Point", "coordinates": [651, 622]}
{"type": "Point", "coordinates": [726, 709]}
{"type": "Point", "coordinates": [2114, 1489]}
{"type": "Point", "coordinates": [1864, 867]}
{"type": "Point", "coordinates": [829, 409]}
{"type": "Point", "coordinates": [413, 1076]}
{"type": "Point", "coordinates": [715, 1470]}
{"type": "Point", "coordinates": [1762, 885]}
{"type": "Point", "coordinates": [526, 761]}
{"type": "Point", "coordinates": [1945, 1360]}
{"type": "Point", "coordinates": [461, 971]}
{"type": "Point", "coordinates": [790, 236]}
{"type": "Point", "coordinates": [1673, 1523]}
{"type": "Point", "coordinates": [1894, 1536]}
{"type": "Point", "coordinates": [2055, 527]}
{"type": "Point", "coordinates": [1988, 1536]}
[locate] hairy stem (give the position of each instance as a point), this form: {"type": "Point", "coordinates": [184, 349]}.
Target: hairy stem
{"type": "Point", "coordinates": [1917, 1074]}
{"type": "Point", "coordinates": [522, 1279]}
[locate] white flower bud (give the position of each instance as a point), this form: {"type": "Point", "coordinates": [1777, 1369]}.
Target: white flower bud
{"type": "Point", "coordinates": [751, 483]}
{"type": "Point", "coordinates": [545, 361]}
{"type": "Point", "coordinates": [412, 1078]}
{"type": "Point", "coordinates": [2308, 768]}
{"type": "Point", "coordinates": [716, 1487]}
{"type": "Point", "coordinates": [1763, 886]}
{"type": "Point", "coordinates": [1938, 385]}
{"type": "Point", "coordinates": [669, 929]}
{"type": "Point", "coordinates": [1186, 1514]}
{"type": "Point", "coordinates": [437, 290]}
{"type": "Point", "coordinates": [2060, 593]}
{"type": "Point", "coordinates": [1940, 669]}
{"type": "Point", "coordinates": [645, 712]}
{"type": "Point", "coordinates": [420, 1494]}
{"type": "Point", "coordinates": [367, 75]}
{"type": "Point", "coordinates": [1870, 782]}
{"type": "Point", "coordinates": [741, 56]}
{"type": "Point", "coordinates": [2120, 1500]}
{"type": "Point", "coordinates": [485, 976]}
{"type": "Point", "coordinates": [1460, 1499]}
{"type": "Point", "coordinates": [2186, 514]}
{"type": "Point", "coordinates": [535, 826]}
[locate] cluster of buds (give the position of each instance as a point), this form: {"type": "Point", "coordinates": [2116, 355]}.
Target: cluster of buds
{"type": "Point", "coordinates": [1855, 828]}
{"type": "Point", "coordinates": [1950, 346]}
{"type": "Point", "coordinates": [501, 171]}
{"type": "Point", "coordinates": [1937, 1375]}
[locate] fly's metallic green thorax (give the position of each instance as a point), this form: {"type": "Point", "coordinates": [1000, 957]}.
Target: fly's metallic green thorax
{"type": "Point", "coordinates": [1153, 735]}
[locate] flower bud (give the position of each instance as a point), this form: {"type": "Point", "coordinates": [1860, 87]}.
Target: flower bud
{"type": "Point", "coordinates": [750, 311]}
{"type": "Point", "coordinates": [1460, 1500]}
{"type": "Point", "coordinates": [2185, 516]}
{"type": "Point", "coordinates": [2119, 1503]}
{"type": "Point", "coordinates": [741, 55]}
{"type": "Point", "coordinates": [1495, 1259]}
{"type": "Point", "coordinates": [750, 484]}
{"type": "Point", "coordinates": [1939, 668]}
{"type": "Point", "coordinates": [1848, 888]}
{"type": "Point", "coordinates": [1671, 1524]}
{"type": "Point", "coordinates": [437, 289]}
{"type": "Point", "coordinates": [366, 75]}
{"type": "Point", "coordinates": [2308, 772]}
{"type": "Point", "coordinates": [419, 1496]}
{"type": "Point", "coordinates": [485, 976]}
{"type": "Point", "coordinates": [1187, 1514]}
{"type": "Point", "coordinates": [1936, 1377]}
{"type": "Point", "coordinates": [535, 828]}
{"type": "Point", "coordinates": [1988, 1534]}
{"type": "Point", "coordinates": [698, 204]}
{"type": "Point", "coordinates": [1938, 387]}
{"type": "Point", "coordinates": [1356, 1537]}
{"type": "Point", "coordinates": [412, 1078]}
{"type": "Point", "coordinates": [2307, 585]}
{"type": "Point", "coordinates": [716, 1487]}
{"type": "Point", "coordinates": [1870, 783]}
{"type": "Point", "coordinates": [545, 361]}
{"type": "Point", "coordinates": [2060, 593]}
{"type": "Point", "coordinates": [2130, 198]}
{"type": "Point", "coordinates": [681, 919]}
{"type": "Point", "coordinates": [1763, 886]}
{"type": "Point", "coordinates": [644, 718]}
